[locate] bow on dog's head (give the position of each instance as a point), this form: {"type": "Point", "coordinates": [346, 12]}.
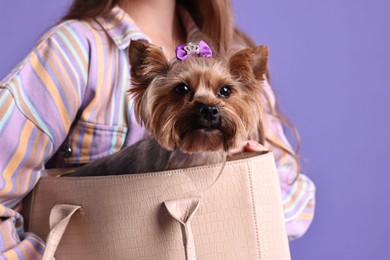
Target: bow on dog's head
{"type": "Point", "coordinates": [200, 49]}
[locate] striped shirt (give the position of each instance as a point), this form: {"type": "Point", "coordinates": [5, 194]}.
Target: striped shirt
{"type": "Point", "coordinates": [66, 104]}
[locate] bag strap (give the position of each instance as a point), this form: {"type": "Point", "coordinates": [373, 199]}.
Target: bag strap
{"type": "Point", "coordinates": [60, 216]}
{"type": "Point", "coordinates": [182, 210]}
{"type": "Point", "coordinates": [58, 172]}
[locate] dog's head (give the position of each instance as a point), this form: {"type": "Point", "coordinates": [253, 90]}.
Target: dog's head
{"type": "Point", "coordinates": [198, 104]}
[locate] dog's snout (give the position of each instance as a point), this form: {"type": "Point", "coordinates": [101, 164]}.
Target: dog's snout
{"type": "Point", "coordinates": [209, 112]}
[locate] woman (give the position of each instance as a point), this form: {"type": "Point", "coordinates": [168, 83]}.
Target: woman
{"type": "Point", "coordinates": [66, 103]}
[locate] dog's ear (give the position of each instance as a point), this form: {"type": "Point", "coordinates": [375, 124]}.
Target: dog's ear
{"type": "Point", "coordinates": [147, 61]}
{"type": "Point", "coordinates": [249, 62]}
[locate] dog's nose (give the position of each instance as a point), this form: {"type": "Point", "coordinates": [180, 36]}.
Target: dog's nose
{"type": "Point", "coordinates": [209, 112]}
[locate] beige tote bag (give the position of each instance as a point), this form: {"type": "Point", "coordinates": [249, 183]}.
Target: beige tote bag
{"type": "Point", "coordinates": [194, 213]}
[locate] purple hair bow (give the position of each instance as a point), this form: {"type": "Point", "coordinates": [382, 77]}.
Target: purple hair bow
{"type": "Point", "coordinates": [200, 49]}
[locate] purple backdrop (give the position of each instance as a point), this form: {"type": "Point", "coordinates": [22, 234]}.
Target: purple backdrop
{"type": "Point", "coordinates": [328, 61]}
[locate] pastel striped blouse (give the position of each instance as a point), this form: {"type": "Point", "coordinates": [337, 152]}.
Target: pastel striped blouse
{"type": "Point", "coordinates": [66, 103]}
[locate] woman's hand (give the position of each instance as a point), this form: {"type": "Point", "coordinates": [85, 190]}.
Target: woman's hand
{"type": "Point", "coordinates": [247, 146]}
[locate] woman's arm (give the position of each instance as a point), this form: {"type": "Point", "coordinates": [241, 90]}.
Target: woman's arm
{"type": "Point", "coordinates": [298, 191]}
{"type": "Point", "coordinates": [38, 103]}
{"type": "Point", "coordinates": [25, 149]}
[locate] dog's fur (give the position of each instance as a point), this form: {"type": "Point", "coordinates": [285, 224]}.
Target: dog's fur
{"type": "Point", "coordinates": [193, 110]}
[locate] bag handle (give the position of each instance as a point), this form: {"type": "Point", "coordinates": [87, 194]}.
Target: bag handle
{"type": "Point", "coordinates": [60, 216]}
{"type": "Point", "coordinates": [182, 210]}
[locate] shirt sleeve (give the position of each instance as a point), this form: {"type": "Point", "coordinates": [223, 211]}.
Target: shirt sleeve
{"type": "Point", "coordinates": [298, 191]}
{"type": "Point", "coordinates": [39, 100]}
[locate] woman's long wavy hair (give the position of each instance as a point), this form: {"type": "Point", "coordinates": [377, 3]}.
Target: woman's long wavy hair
{"type": "Point", "coordinates": [215, 19]}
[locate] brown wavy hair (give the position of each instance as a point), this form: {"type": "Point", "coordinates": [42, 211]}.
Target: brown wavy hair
{"type": "Point", "coordinates": [215, 19]}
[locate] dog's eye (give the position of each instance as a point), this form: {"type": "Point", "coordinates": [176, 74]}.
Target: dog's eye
{"type": "Point", "coordinates": [225, 91]}
{"type": "Point", "coordinates": [182, 89]}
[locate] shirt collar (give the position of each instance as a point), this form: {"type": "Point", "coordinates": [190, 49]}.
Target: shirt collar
{"type": "Point", "coordinates": [121, 28]}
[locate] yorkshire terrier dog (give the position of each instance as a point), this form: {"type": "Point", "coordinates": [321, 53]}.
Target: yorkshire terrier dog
{"type": "Point", "coordinates": [195, 108]}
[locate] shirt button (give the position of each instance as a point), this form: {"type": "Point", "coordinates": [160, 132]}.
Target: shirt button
{"type": "Point", "coordinates": [66, 151]}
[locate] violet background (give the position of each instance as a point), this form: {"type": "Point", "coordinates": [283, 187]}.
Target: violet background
{"type": "Point", "coordinates": [330, 67]}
